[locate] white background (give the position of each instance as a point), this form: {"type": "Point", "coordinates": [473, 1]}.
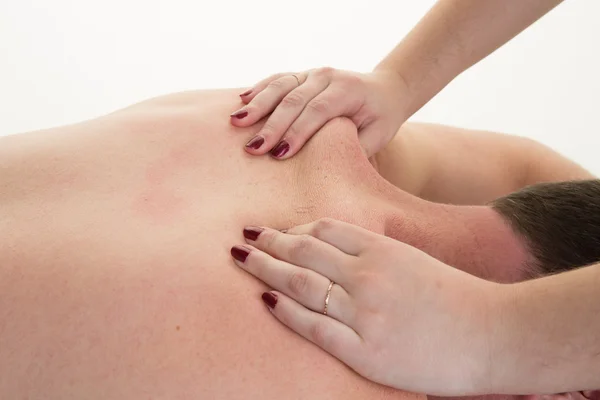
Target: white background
{"type": "Point", "coordinates": [67, 60]}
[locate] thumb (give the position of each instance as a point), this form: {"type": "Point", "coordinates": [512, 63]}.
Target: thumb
{"type": "Point", "coordinates": [372, 139]}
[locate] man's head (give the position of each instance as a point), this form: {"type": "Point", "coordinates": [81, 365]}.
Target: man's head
{"type": "Point", "coordinates": [559, 226]}
{"type": "Point", "coordinates": [559, 223]}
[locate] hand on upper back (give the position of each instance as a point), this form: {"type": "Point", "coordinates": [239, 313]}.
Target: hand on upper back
{"type": "Point", "coordinates": [395, 315]}
{"type": "Point", "coordinates": [302, 103]}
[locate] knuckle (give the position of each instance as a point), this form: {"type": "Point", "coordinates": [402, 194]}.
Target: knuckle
{"type": "Point", "coordinates": [319, 106]}
{"type": "Point", "coordinates": [351, 81]}
{"type": "Point", "coordinates": [324, 71]}
{"type": "Point", "coordinates": [276, 76]}
{"type": "Point", "coordinates": [293, 99]}
{"type": "Point", "coordinates": [319, 333]}
{"type": "Point", "coordinates": [321, 226]}
{"type": "Point", "coordinates": [298, 282]}
{"type": "Point", "coordinates": [302, 246]}
{"type": "Point", "coordinates": [277, 84]}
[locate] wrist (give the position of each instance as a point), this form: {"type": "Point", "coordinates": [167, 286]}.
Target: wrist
{"type": "Point", "coordinates": [489, 336]}
{"type": "Point", "coordinates": [423, 74]}
{"type": "Point", "coordinates": [471, 348]}
{"type": "Point", "coordinates": [398, 87]}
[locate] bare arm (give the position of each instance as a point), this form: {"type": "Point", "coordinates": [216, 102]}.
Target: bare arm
{"type": "Point", "coordinates": [548, 328]}
{"type": "Point", "coordinates": [460, 166]}
{"type": "Point", "coordinates": [454, 35]}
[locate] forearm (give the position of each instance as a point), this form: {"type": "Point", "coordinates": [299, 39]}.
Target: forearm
{"type": "Point", "coordinates": [548, 329]}
{"type": "Point", "coordinates": [454, 35]}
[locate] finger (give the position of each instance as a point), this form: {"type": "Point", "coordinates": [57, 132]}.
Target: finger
{"type": "Point", "coordinates": [349, 238]}
{"type": "Point", "coordinates": [303, 285]}
{"type": "Point", "coordinates": [333, 336]}
{"type": "Point", "coordinates": [318, 111]}
{"type": "Point", "coordinates": [304, 251]}
{"type": "Point", "coordinates": [367, 144]}
{"type": "Point", "coordinates": [249, 94]}
{"type": "Point", "coordinates": [265, 101]}
{"type": "Point", "coordinates": [286, 111]}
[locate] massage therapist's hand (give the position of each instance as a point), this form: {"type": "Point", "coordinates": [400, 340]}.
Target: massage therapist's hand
{"type": "Point", "coordinates": [302, 103]}
{"type": "Point", "coordinates": [395, 315]}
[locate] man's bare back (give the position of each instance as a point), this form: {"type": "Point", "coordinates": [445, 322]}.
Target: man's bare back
{"type": "Point", "coordinates": [115, 275]}
{"type": "Point", "coordinates": [115, 271]}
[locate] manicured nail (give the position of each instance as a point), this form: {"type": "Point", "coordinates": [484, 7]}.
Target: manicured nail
{"type": "Point", "coordinates": [239, 253]}
{"type": "Point", "coordinates": [270, 299]}
{"type": "Point", "coordinates": [255, 142]}
{"type": "Point", "coordinates": [239, 114]}
{"type": "Point", "coordinates": [252, 232]}
{"type": "Point", "coordinates": [246, 93]}
{"type": "Point", "coordinates": [280, 150]}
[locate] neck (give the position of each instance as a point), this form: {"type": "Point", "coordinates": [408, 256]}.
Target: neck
{"type": "Point", "coordinates": [475, 239]}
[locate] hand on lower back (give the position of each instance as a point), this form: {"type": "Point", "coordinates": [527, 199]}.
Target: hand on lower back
{"type": "Point", "coordinates": [302, 103]}
{"type": "Point", "coordinates": [395, 315]}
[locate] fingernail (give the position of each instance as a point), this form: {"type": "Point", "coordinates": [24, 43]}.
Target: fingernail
{"type": "Point", "coordinates": [239, 253]}
{"type": "Point", "coordinates": [239, 114]}
{"type": "Point", "coordinates": [280, 150]}
{"type": "Point", "coordinates": [255, 142]}
{"type": "Point", "coordinates": [283, 231]}
{"type": "Point", "coordinates": [252, 232]}
{"type": "Point", "coordinates": [246, 93]}
{"type": "Point", "coordinates": [270, 299]}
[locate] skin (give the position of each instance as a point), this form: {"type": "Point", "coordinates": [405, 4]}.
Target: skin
{"type": "Point", "coordinates": [115, 271]}
{"type": "Point", "coordinates": [451, 37]}
{"type": "Point", "coordinates": [431, 161]}
{"type": "Point", "coordinates": [454, 35]}
{"type": "Point", "coordinates": [363, 276]}
{"type": "Point", "coordinates": [114, 267]}
{"type": "Point", "coordinates": [404, 319]}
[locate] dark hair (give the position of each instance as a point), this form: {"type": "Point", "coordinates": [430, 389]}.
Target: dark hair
{"type": "Point", "coordinates": [559, 221]}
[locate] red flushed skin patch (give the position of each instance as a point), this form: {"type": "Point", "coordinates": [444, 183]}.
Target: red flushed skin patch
{"type": "Point", "coordinates": [159, 199]}
{"type": "Point", "coordinates": [474, 239]}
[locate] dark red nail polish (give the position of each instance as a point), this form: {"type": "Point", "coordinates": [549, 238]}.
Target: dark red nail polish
{"type": "Point", "coordinates": [280, 150]}
{"type": "Point", "coordinates": [239, 114]}
{"type": "Point", "coordinates": [270, 299]}
{"type": "Point", "coordinates": [239, 253]}
{"type": "Point", "coordinates": [252, 232]}
{"type": "Point", "coordinates": [255, 142]}
{"type": "Point", "coordinates": [246, 93]}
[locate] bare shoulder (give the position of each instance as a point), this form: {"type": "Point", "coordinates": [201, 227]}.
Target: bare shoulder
{"type": "Point", "coordinates": [468, 166]}
{"type": "Point", "coordinates": [547, 165]}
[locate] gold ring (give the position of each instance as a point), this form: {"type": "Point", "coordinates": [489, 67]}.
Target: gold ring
{"type": "Point", "coordinates": [327, 297]}
{"type": "Point", "coordinates": [297, 79]}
